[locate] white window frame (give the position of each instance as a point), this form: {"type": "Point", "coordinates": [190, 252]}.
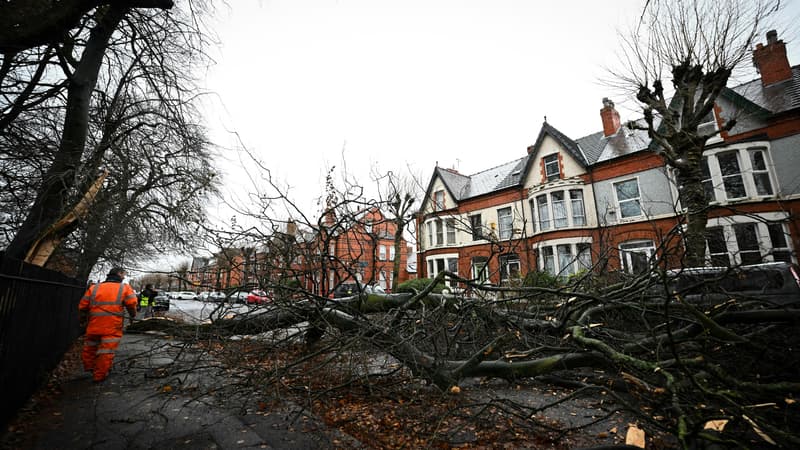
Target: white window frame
{"type": "Point", "coordinates": [762, 223]}
{"type": "Point", "coordinates": [382, 253]}
{"type": "Point", "coordinates": [446, 261]}
{"type": "Point", "coordinates": [638, 246]}
{"type": "Point", "coordinates": [505, 223]}
{"type": "Point", "coordinates": [477, 232]}
{"type": "Point", "coordinates": [573, 202]}
{"type": "Point", "coordinates": [438, 200]}
{"type": "Point", "coordinates": [392, 253]}
{"type": "Point", "coordinates": [450, 231]}
{"type": "Point", "coordinates": [547, 164]}
{"type": "Point", "coordinates": [508, 261]}
{"type": "Point", "coordinates": [746, 171]}
{"type": "Point", "coordinates": [480, 270]}
{"type": "Point", "coordinates": [549, 251]}
{"type": "Point", "coordinates": [638, 199]}
{"type": "Point", "coordinates": [549, 208]}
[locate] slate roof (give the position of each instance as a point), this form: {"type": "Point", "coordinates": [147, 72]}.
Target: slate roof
{"type": "Point", "coordinates": [596, 148]}
{"type": "Point", "coordinates": [468, 186]}
{"type": "Point", "coordinates": [775, 98]}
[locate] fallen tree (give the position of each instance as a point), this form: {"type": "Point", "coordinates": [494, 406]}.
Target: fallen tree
{"type": "Point", "coordinates": [683, 367]}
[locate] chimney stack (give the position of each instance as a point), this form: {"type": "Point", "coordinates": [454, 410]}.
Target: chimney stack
{"type": "Point", "coordinates": [610, 118]}
{"type": "Point", "coordinates": [771, 60]}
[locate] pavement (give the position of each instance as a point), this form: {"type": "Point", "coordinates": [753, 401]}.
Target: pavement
{"type": "Point", "coordinates": [161, 395]}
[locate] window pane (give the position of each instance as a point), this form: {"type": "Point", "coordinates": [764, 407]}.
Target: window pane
{"type": "Point", "coordinates": [439, 237]}
{"type": "Point", "coordinates": [776, 235]}
{"type": "Point", "coordinates": [717, 247]}
{"type": "Point", "coordinates": [504, 217]}
{"type": "Point", "coordinates": [544, 212]}
{"type": "Point", "coordinates": [509, 266]}
{"type": "Point", "coordinates": [548, 260]}
{"type": "Point", "coordinates": [760, 172]}
{"type": "Point", "coordinates": [578, 213]}
{"type": "Point", "coordinates": [584, 256]}
{"type": "Point", "coordinates": [757, 158]}
{"type": "Point", "coordinates": [747, 241]}
{"type": "Point", "coordinates": [628, 198]}
{"type": "Point", "coordinates": [763, 185]}
{"type": "Point", "coordinates": [479, 269]}
{"type": "Point", "coordinates": [627, 190]}
{"type": "Point", "coordinates": [565, 259]}
{"type": "Point", "coordinates": [438, 197]}
{"type": "Point", "coordinates": [708, 184]}
{"type": "Point", "coordinates": [635, 256]}
{"type": "Point", "coordinates": [475, 224]}
{"type": "Point", "coordinates": [559, 210]}
{"type": "Point", "coordinates": [731, 174]}
{"type": "Point", "coordinates": [451, 231]}
{"type": "Point", "coordinates": [551, 167]}
{"type": "Point", "coordinates": [630, 208]}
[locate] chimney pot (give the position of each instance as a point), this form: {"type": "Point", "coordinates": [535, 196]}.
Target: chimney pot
{"type": "Point", "coordinates": [772, 37]}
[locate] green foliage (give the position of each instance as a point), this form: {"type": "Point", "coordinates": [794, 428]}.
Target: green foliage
{"type": "Point", "coordinates": [541, 279]}
{"type": "Point", "coordinates": [419, 284]}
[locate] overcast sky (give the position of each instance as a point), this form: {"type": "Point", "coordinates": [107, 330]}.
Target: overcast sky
{"type": "Point", "coordinates": [395, 84]}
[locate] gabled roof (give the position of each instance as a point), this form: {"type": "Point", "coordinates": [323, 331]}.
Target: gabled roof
{"type": "Point", "coordinates": [569, 145]}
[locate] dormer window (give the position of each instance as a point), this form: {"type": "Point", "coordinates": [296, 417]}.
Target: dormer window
{"type": "Point", "coordinates": [551, 167]}
{"type": "Point", "coordinates": [438, 200]}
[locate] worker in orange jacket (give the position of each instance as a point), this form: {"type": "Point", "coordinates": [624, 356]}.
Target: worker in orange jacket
{"type": "Point", "coordinates": [105, 304]}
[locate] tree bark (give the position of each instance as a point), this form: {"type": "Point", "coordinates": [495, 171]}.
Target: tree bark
{"type": "Point", "coordinates": [53, 198]}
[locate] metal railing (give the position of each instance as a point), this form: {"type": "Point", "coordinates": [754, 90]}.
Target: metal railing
{"type": "Point", "coordinates": [38, 323]}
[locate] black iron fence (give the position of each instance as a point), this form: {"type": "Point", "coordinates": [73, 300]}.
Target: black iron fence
{"type": "Point", "coordinates": [38, 323]}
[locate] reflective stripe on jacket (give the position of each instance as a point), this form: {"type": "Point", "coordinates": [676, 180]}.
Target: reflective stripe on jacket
{"type": "Point", "coordinates": [106, 303]}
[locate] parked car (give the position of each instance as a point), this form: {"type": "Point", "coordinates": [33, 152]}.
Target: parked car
{"type": "Point", "coordinates": [213, 296]}
{"type": "Point", "coordinates": [258, 297]}
{"type": "Point", "coordinates": [183, 295]}
{"type": "Point", "coordinates": [239, 297]}
{"type": "Point", "coordinates": [161, 302]}
{"type": "Point", "coordinates": [353, 288]}
{"type": "Point", "coordinates": [775, 283]}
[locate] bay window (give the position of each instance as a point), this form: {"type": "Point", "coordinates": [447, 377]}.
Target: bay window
{"type": "Point", "coordinates": [564, 259]}
{"type": "Point", "coordinates": [554, 206]}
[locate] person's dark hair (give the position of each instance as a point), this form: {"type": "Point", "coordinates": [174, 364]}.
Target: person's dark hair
{"type": "Point", "coordinates": [118, 271]}
{"type": "Point", "coordinates": [148, 286]}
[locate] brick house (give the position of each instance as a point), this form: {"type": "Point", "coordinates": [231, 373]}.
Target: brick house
{"type": "Point", "coordinates": [359, 247]}
{"type": "Point", "coordinates": [607, 200]}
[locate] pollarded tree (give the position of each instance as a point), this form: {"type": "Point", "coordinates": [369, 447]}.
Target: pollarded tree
{"type": "Point", "coordinates": [695, 46]}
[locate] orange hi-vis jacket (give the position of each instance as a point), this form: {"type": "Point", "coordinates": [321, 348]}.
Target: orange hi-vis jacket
{"type": "Point", "coordinates": [106, 303]}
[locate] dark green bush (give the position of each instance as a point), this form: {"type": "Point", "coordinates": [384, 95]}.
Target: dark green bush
{"type": "Point", "coordinates": [541, 279]}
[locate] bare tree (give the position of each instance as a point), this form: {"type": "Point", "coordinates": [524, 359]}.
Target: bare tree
{"type": "Point", "coordinates": [678, 60]}
{"type": "Point", "coordinates": [135, 119]}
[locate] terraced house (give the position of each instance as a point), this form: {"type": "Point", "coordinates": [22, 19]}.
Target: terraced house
{"type": "Point", "coordinates": [609, 201]}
